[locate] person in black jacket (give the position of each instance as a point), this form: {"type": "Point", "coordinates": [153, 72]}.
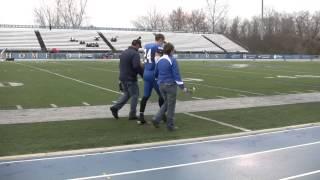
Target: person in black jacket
{"type": "Point", "coordinates": [130, 67]}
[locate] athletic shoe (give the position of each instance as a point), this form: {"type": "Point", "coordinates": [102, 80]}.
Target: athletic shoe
{"type": "Point", "coordinates": [133, 118]}
{"type": "Point", "coordinates": [114, 112]}
{"type": "Point", "coordinates": [164, 118]}
{"type": "Point", "coordinates": [141, 120]}
{"type": "Point", "coordinates": [174, 128]}
{"type": "Point", "coordinates": [155, 124]}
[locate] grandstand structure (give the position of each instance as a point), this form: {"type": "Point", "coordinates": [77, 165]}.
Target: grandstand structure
{"type": "Point", "coordinates": [79, 40]}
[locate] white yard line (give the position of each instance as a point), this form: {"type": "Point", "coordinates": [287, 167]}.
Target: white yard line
{"type": "Point", "coordinates": [85, 103]}
{"type": "Point", "coordinates": [197, 162]}
{"type": "Point", "coordinates": [222, 97]}
{"type": "Point", "coordinates": [53, 106]}
{"type": "Point", "coordinates": [241, 95]}
{"type": "Point", "coordinates": [228, 89]}
{"type": "Point", "coordinates": [280, 93]}
{"type": "Point", "coordinates": [301, 175]}
{"type": "Point", "coordinates": [297, 92]}
{"type": "Point", "coordinates": [197, 98]}
{"type": "Point", "coordinates": [19, 107]}
{"type": "Point", "coordinates": [70, 78]}
{"type": "Point", "coordinates": [218, 122]}
{"type": "Point", "coordinates": [1, 85]}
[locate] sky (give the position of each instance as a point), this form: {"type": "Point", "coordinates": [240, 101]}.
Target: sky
{"type": "Point", "coordinates": [120, 13]}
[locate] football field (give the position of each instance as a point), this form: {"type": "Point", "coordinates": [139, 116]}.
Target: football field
{"type": "Point", "coordinates": [54, 85]}
{"type": "Point", "coordinates": [26, 85]}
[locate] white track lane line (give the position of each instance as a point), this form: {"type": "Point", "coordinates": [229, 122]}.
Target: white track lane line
{"type": "Point", "coordinates": [156, 147]}
{"type": "Point", "coordinates": [218, 122]}
{"type": "Point", "coordinates": [196, 163]}
{"type": "Point", "coordinates": [70, 78]}
{"type": "Point", "coordinates": [301, 175]}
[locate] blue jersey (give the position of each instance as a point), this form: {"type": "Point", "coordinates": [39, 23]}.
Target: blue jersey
{"type": "Point", "coordinates": [150, 51]}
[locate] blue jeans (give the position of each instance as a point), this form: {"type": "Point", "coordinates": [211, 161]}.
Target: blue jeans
{"type": "Point", "coordinates": [169, 94]}
{"type": "Point", "coordinates": [130, 90]}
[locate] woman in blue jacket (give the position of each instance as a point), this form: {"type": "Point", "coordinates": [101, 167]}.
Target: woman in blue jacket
{"type": "Point", "coordinates": [169, 78]}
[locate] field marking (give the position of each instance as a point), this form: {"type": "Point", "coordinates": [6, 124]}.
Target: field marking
{"type": "Point", "coordinates": [197, 162]}
{"type": "Point", "coordinates": [280, 93]}
{"type": "Point", "coordinates": [241, 95]}
{"type": "Point", "coordinates": [301, 175]}
{"type": "Point", "coordinates": [85, 103]}
{"type": "Point", "coordinates": [296, 92]}
{"type": "Point", "coordinates": [53, 106]}
{"type": "Point", "coordinates": [1, 85]}
{"type": "Point", "coordinates": [224, 88]}
{"type": "Point", "coordinates": [222, 97]}
{"type": "Point", "coordinates": [70, 78]}
{"type": "Point", "coordinates": [218, 122]}
{"type": "Point", "coordinates": [160, 146]}
{"type": "Point", "coordinates": [197, 98]}
{"type": "Point", "coordinates": [19, 107]}
{"type": "Point", "coordinates": [312, 90]}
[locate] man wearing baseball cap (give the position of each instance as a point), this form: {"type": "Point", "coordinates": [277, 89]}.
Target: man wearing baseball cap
{"type": "Point", "coordinates": [130, 67]}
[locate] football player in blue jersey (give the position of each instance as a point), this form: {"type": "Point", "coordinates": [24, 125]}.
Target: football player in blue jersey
{"type": "Point", "coordinates": [152, 53]}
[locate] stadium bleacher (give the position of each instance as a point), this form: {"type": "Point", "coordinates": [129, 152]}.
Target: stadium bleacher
{"type": "Point", "coordinates": [70, 40]}
{"type": "Point", "coordinates": [18, 39]}
{"type": "Point", "coordinates": [116, 40]}
{"type": "Point", "coordinates": [226, 43]}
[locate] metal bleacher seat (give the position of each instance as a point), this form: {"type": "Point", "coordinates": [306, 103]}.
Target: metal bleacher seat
{"type": "Point", "coordinates": [226, 43]}
{"type": "Point", "coordinates": [61, 39]}
{"type": "Point", "coordinates": [122, 39]}
{"type": "Point", "coordinates": [188, 42]}
{"type": "Point", "coordinates": [18, 39]}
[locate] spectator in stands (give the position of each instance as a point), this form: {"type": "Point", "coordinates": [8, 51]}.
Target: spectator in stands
{"type": "Point", "coordinates": [168, 75]}
{"type": "Point", "coordinates": [130, 67]}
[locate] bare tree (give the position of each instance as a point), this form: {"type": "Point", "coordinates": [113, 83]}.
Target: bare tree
{"type": "Point", "coordinates": [153, 20]}
{"type": "Point", "coordinates": [69, 13]}
{"type": "Point", "coordinates": [178, 20]}
{"type": "Point", "coordinates": [234, 29]}
{"type": "Point", "coordinates": [217, 12]}
{"type": "Point", "coordinates": [197, 21]}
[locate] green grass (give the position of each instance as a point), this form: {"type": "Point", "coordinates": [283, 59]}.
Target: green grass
{"type": "Point", "coordinates": [268, 117]}
{"type": "Point", "coordinates": [68, 135]}
{"type": "Point", "coordinates": [220, 79]}
{"type": "Point", "coordinates": [58, 136]}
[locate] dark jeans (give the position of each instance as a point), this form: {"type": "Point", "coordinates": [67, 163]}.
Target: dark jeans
{"type": "Point", "coordinates": [169, 94]}
{"type": "Point", "coordinates": [130, 90]}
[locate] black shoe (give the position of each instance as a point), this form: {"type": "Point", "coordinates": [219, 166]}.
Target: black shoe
{"type": "Point", "coordinates": [114, 112]}
{"type": "Point", "coordinates": [174, 128]}
{"type": "Point", "coordinates": [155, 124]}
{"type": "Point", "coordinates": [164, 118]}
{"type": "Point", "coordinates": [133, 118]}
{"type": "Point", "coordinates": [141, 120]}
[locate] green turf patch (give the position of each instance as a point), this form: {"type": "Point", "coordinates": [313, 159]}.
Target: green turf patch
{"type": "Point", "coordinates": [220, 78]}
{"type": "Point", "coordinates": [268, 117]}
{"type": "Point", "coordinates": [68, 135]}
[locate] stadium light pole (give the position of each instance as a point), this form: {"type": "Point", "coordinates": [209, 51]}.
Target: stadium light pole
{"type": "Point", "coordinates": [262, 21]}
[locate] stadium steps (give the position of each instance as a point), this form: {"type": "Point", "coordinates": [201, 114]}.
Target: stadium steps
{"type": "Point", "coordinates": [215, 43]}
{"type": "Point", "coordinates": [41, 42]}
{"type": "Point", "coordinates": [106, 41]}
